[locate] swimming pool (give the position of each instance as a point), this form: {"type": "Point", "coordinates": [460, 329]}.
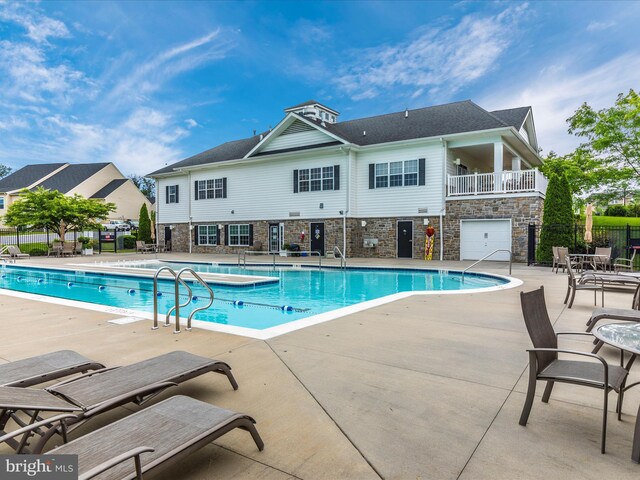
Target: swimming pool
{"type": "Point", "coordinates": [314, 295]}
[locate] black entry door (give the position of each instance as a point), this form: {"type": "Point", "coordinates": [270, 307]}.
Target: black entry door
{"type": "Point", "coordinates": [167, 239]}
{"type": "Point", "coordinates": [405, 239]}
{"type": "Point", "coordinates": [317, 237]}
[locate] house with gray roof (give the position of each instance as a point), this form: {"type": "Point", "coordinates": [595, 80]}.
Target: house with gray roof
{"type": "Point", "coordinates": [455, 181]}
{"type": "Point", "coordinates": [102, 181]}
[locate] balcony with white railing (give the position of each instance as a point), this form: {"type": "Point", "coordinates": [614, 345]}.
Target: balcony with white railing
{"type": "Point", "coordinates": [496, 183]}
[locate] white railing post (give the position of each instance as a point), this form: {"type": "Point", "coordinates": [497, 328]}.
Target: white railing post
{"type": "Point", "coordinates": [475, 184]}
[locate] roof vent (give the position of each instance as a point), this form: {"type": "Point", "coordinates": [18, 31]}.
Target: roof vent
{"type": "Point", "coordinates": [406, 113]}
{"type": "Point", "coordinates": [261, 137]}
{"type": "Point", "coordinates": [254, 133]}
{"type": "Point", "coordinates": [364, 133]}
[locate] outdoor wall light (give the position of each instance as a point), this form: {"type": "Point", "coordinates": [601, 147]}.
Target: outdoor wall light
{"type": "Point", "coordinates": [457, 162]}
{"type": "Point", "coordinates": [232, 212]}
{"type": "Point", "coordinates": [363, 223]}
{"type": "Point", "coordinates": [170, 227]}
{"type": "Point", "coordinates": [321, 206]}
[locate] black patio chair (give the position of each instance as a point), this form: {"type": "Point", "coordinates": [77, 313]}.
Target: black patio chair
{"type": "Point", "coordinates": [545, 365]}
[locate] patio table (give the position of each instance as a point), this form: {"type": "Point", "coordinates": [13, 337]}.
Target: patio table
{"type": "Point", "coordinates": [626, 337]}
{"type": "Point", "coordinates": [583, 259]}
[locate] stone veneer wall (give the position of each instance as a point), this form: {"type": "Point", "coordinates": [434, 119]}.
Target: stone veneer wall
{"type": "Point", "coordinates": [521, 211]}
{"type": "Point", "coordinates": [382, 229]}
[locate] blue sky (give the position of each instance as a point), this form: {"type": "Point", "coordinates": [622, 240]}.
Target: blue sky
{"type": "Point", "coordinates": [144, 84]}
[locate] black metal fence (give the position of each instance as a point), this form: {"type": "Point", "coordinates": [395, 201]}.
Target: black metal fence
{"type": "Point", "coordinates": [620, 239]}
{"type": "Point", "coordinates": [32, 241]}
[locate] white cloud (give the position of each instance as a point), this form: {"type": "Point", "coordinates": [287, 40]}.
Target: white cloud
{"type": "Point", "coordinates": [29, 77]}
{"type": "Point", "coordinates": [149, 76]}
{"type": "Point", "coordinates": [598, 26]}
{"type": "Point", "coordinates": [39, 27]}
{"type": "Point", "coordinates": [191, 123]}
{"type": "Point", "coordinates": [439, 60]}
{"type": "Point", "coordinates": [555, 96]}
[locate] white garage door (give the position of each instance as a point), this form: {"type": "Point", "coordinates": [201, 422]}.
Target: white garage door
{"type": "Point", "coordinates": [481, 237]}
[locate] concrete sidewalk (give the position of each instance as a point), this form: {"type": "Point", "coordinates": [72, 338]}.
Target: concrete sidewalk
{"type": "Point", "coordinates": [426, 387]}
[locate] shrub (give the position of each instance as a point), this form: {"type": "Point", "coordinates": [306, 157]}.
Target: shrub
{"type": "Point", "coordinates": [129, 241]}
{"type": "Point", "coordinates": [616, 211]}
{"type": "Point", "coordinates": [633, 210]}
{"type": "Point", "coordinates": [557, 220]}
{"type": "Point", "coordinates": [144, 226]}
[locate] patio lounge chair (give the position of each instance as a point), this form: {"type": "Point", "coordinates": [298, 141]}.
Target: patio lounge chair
{"type": "Point", "coordinates": [559, 258]}
{"type": "Point", "coordinates": [627, 314]}
{"type": "Point", "coordinates": [545, 365]}
{"type": "Point", "coordinates": [625, 264]}
{"type": "Point", "coordinates": [152, 439]}
{"type": "Point", "coordinates": [14, 252]}
{"type": "Point", "coordinates": [96, 392]}
{"type": "Point", "coordinates": [43, 368]}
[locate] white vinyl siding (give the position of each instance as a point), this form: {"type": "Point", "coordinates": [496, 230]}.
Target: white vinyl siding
{"type": "Point", "coordinates": [399, 202]}
{"type": "Point", "coordinates": [263, 190]}
{"type": "Point", "coordinates": [302, 139]}
{"type": "Point", "coordinates": [173, 212]}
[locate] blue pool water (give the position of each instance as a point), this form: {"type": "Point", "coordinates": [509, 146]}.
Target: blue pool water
{"type": "Point", "coordinates": [308, 291]}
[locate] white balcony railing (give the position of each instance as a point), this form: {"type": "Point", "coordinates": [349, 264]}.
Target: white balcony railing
{"type": "Point", "coordinates": [516, 181]}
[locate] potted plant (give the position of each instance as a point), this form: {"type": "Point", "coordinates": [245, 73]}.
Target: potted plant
{"type": "Point", "coordinates": [87, 245]}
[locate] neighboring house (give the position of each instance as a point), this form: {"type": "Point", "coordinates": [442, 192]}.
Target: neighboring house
{"type": "Point", "coordinates": [368, 186]}
{"type": "Point", "coordinates": [102, 181]}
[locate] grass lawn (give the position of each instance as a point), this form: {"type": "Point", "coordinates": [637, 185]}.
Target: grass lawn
{"type": "Point", "coordinates": [603, 221]}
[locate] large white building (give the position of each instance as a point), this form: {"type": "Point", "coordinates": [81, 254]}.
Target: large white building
{"type": "Point", "coordinates": [369, 186]}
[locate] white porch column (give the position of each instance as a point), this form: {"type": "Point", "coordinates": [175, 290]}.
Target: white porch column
{"type": "Point", "coordinates": [516, 164]}
{"type": "Point", "coordinates": [498, 166]}
{"type": "Point", "coordinates": [498, 163]}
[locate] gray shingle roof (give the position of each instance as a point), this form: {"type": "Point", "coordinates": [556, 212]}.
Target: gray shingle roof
{"type": "Point", "coordinates": [513, 117]}
{"type": "Point", "coordinates": [71, 176]}
{"type": "Point", "coordinates": [439, 120]}
{"type": "Point", "coordinates": [109, 188]}
{"type": "Point", "coordinates": [27, 176]}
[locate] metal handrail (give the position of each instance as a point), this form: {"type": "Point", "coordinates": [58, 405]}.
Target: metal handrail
{"type": "Point", "coordinates": [487, 256]}
{"type": "Point", "coordinates": [243, 265]}
{"type": "Point", "coordinates": [155, 295]}
{"type": "Point", "coordinates": [177, 305]}
{"type": "Point", "coordinates": [343, 260]}
{"type": "Point", "coordinates": [205, 285]}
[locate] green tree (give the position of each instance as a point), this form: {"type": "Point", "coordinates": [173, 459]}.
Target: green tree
{"type": "Point", "coordinates": [144, 227]}
{"type": "Point", "coordinates": [612, 134]}
{"type": "Point", "coordinates": [51, 209]}
{"type": "Point", "coordinates": [146, 185]}
{"type": "Point", "coordinates": [557, 220]}
{"type": "Point", "coordinates": [4, 170]}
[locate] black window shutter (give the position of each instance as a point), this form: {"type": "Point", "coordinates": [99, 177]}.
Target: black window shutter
{"type": "Point", "coordinates": [295, 181]}
{"type": "Point", "coordinates": [421, 173]}
{"type": "Point", "coordinates": [226, 234]}
{"type": "Point", "coordinates": [224, 187]}
{"type": "Point", "coordinates": [218, 242]}
{"type": "Point", "coordinates": [166, 195]}
{"type": "Point", "coordinates": [196, 231]}
{"type": "Point", "coordinates": [195, 189]}
{"type": "Point", "coordinates": [177, 187]}
{"type": "Point", "coordinates": [250, 235]}
{"type": "Point", "coordinates": [336, 177]}
{"type": "Point", "coordinates": [372, 175]}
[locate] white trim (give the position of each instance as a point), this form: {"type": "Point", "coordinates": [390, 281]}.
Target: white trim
{"type": "Point", "coordinates": [271, 332]}
{"type": "Point", "coordinates": [284, 123]}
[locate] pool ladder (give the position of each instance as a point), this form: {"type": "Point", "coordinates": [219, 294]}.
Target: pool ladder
{"type": "Point", "coordinates": [487, 256]}
{"type": "Point", "coordinates": [338, 253]}
{"type": "Point", "coordinates": [177, 281]}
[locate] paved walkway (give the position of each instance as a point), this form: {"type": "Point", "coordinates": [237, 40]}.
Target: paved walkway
{"type": "Point", "coordinates": [429, 387]}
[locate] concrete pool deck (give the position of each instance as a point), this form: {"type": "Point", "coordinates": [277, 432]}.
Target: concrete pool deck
{"type": "Point", "coordinates": [424, 387]}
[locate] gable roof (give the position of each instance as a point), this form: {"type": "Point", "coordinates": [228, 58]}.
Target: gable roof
{"type": "Point", "coordinates": [513, 117]}
{"type": "Point", "coordinates": [452, 118]}
{"type": "Point", "coordinates": [109, 188]}
{"type": "Point", "coordinates": [71, 176]}
{"type": "Point", "coordinates": [27, 176]}
{"type": "Point", "coordinates": [227, 151]}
